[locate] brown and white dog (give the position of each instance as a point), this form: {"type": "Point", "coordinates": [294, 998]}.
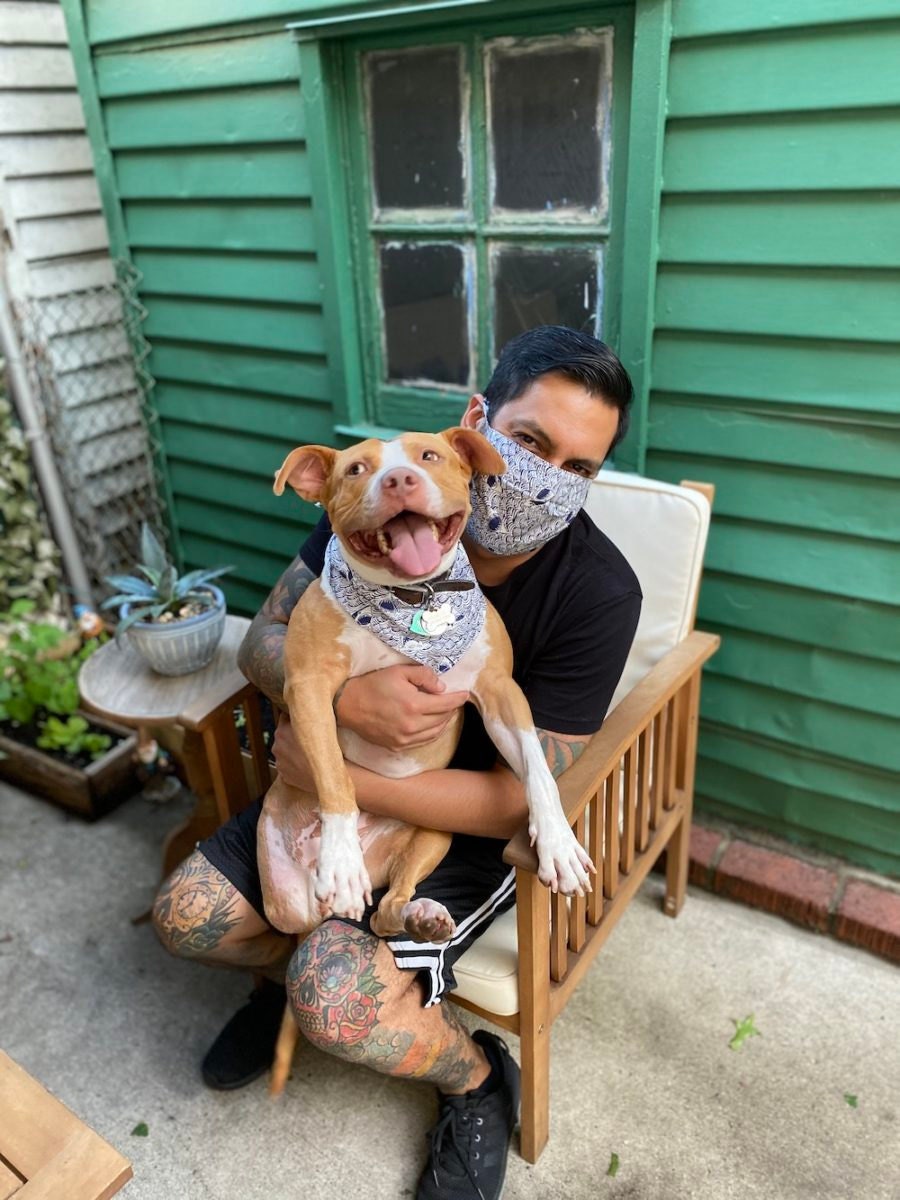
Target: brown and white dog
{"type": "Point", "coordinates": [398, 509]}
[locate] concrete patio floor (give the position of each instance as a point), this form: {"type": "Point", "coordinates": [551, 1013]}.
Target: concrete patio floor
{"type": "Point", "coordinates": [94, 1009]}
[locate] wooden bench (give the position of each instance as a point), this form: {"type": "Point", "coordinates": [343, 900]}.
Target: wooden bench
{"type": "Point", "coordinates": [46, 1153]}
{"type": "Point", "coordinates": [629, 797]}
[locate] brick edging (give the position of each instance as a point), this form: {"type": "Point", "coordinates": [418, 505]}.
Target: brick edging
{"type": "Point", "coordinates": [831, 900]}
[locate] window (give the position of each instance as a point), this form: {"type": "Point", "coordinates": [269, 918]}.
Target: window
{"type": "Point", "coordinates": [479, 184]}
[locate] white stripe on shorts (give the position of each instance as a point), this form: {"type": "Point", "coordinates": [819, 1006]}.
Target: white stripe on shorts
{"type": "Point", "coordinates": [430, 956]}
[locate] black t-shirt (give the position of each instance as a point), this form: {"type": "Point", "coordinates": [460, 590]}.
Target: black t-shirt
{"type": "Point", "coordinates": [571, 611]}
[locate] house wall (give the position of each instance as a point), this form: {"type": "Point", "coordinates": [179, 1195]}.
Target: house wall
{"type": "Point", "coordinates": [199, 123]}
{"type": "Point", "coordinates": [55, 264]}
{"type": "Point", "coordinates": [770, 356]}
{"type": "Point", "coordinates": [50, 203]}
{"type": "Point", "coordinates": [211, 176]}
{"type": "Point", "coordinates": [775, 375]}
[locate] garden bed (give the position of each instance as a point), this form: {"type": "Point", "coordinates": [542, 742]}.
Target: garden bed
{"type": "Point", "coordinates": [90, 788]}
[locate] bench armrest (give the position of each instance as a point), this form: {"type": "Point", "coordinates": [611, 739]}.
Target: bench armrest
{"type": "Point", "coordinates": [620, 731]}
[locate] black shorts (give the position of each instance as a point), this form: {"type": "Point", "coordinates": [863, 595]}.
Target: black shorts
{"type": "Point", "coordinates": [472, 882]}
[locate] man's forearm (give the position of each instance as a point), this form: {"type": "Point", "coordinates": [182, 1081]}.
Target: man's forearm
{"type": "Point", "coordinates": [483, 803]}
{"type": "Point", "coordinates": [261, 654]}
{"type": "Point", "coordinates": [261, 657]}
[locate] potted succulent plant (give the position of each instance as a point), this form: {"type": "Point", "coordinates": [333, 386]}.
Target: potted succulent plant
{"type": "Point", "coordinates": [47, 745]}
{"type": "Point", "coordinates": [174, 622]}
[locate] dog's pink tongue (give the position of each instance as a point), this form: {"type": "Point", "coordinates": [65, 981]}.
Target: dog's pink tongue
{"type": "Point", "coordinates": [413, 546]}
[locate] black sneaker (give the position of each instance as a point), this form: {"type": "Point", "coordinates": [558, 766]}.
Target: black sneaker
{"type": "Point", "coordinates": [470, 1142]}
{"type": "Point", "coordinates": [245, 1048]}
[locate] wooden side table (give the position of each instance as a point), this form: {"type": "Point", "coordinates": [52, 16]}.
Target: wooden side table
{"type": "Point", "coordinates": [46, 1151]}
{"type": "Point", "coordinates": [189, 715]}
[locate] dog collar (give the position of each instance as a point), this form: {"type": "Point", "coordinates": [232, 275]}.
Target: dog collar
{"type": "Point", "coordinates": [423, 594]}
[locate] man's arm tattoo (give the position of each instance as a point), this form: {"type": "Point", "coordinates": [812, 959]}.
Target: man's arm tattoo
{"type": "Point", "coordinates": [261, 656]}
{"type": "Point", "coordinates": [561, 750]}
{"type": "Point", "coordinates": [282, 599]}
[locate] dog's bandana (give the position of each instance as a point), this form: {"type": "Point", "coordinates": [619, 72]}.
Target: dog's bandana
{"type": "Point", "coordinates": [437, 631]}
{"type": "Point", "coordinates": [526, 507]}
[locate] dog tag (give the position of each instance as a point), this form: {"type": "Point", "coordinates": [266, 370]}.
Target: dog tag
{"type": "Point", "coordinates": [432, 622]}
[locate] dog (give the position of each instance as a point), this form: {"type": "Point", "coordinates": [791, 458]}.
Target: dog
{"type": "Point", "coordinates": [397, 510]}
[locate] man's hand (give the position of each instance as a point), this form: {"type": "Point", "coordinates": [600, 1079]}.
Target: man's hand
{"type": "Point", "coordinates": [398, 707]}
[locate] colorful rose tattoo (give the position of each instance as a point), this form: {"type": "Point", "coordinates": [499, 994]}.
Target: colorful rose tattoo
{"type": "Point", "coordinates": [333, 987]}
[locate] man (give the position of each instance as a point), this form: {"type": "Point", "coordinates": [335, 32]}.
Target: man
{"type": "Point", "coordinates": [555, 407]}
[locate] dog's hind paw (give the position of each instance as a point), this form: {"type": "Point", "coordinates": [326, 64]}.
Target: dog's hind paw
{"type": "Point", "coordinates": [427, 921]}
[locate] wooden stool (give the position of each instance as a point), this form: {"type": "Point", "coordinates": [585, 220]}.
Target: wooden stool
{"type": "Point", "coordinates": [187, 715]}
{"type": "Point", "coordinates": [46, 1153]}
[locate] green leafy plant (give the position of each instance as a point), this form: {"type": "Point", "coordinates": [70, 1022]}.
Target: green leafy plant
{"type": "Point", "coordinates": [39, 664]}
{"type": "Point", "coordinates": [29, 564]}
{"type": "Point", "coordinates": [743, 1030]}
{"type": "Point", "coordinates": [162, 590]}
{"type": "Point", "coordinates": [73, 736]}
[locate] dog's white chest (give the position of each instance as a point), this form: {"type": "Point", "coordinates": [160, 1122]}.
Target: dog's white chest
{"type": "Point", "coordinates": [367, 652]}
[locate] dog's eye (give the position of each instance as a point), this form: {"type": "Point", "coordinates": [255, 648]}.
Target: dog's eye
{"type": "Point", "coordinates": [357, 468]}
{"type": "Point", "coordinates": [430, 456]}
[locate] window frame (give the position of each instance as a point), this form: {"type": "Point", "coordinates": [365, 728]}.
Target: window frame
{"type": "Point", "coordinates": [338, 149]}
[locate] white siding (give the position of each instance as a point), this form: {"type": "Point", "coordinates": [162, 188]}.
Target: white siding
{"type": "Point", "coordinates": [56, 251]}
{"type": "Point", "coordinates": [49, 203]}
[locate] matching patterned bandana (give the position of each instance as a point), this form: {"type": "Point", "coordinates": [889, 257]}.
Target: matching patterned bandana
{"type": "Point", "coordinates": [436, 633]}
{"type": "Point", "coordinates": [526, 507]}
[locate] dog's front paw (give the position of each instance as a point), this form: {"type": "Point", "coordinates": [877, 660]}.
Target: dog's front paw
{"type": "Point", "coordinates": [343, 886]}
{"type": "Point", "coordinates": [563, 863]}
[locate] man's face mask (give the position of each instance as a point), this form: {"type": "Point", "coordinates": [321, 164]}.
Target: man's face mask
{"type": "Point", "coordinates": [526, 507]}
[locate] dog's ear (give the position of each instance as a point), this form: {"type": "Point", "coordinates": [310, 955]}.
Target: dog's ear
{"type": "Point", "coordinates": [475, 450]}
{"type": "Point", "coordinates": [306, 470]}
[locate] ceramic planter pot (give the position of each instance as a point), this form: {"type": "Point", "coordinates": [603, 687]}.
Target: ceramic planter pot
{"type": "Point", "coordinates": [179, 647]}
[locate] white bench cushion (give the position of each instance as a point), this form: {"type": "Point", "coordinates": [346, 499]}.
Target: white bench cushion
{"type": "Point", "coordinates": [661, 529]}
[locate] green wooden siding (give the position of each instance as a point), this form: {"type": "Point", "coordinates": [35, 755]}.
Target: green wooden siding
{"type": "Point", "coordinates": [212, 173]}
{"type": "Point", "coordinates": [775, 375]}
{"type": "Point", "coordinates": [203, 120]}
{"type": "Point", "coordinates": [759, 316]}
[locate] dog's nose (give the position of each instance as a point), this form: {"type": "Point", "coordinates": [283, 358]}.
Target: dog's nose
{"type": "Point", "coordinates": [399, 481]}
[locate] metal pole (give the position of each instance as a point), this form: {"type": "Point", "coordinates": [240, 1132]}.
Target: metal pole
{"type": "Point", "coordinates": [45, 470]}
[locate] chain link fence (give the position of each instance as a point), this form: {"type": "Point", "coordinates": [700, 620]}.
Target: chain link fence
{"type": "Point", "coordinates": [86, 354]}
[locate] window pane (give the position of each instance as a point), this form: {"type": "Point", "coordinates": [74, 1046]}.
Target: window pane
{"type": "Point", "coordinates": [415, 116]}
{"type": "Point", "coordinates": [543, 287]}
{"type": "Point", "coordinates": [423, 289]}
{"type": "Point", "coordinates": [546, 124]}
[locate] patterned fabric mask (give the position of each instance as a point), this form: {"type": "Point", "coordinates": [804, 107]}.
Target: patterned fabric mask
{"type": "Point", "coordinates": [436, 634]}
{"type": "Point", "coordinates": [526, 507]}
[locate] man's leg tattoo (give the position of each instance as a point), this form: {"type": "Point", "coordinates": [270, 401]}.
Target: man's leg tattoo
{"type": "Point", "coordinates": [195, 908]}
{"type": "Point", "coordinates": [198, 914]}
{"type": "Point", "coordinates": [350, 999]}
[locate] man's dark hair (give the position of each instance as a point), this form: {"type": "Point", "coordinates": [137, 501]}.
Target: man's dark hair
{"type": "Point", "coordinates": [561, 351]}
